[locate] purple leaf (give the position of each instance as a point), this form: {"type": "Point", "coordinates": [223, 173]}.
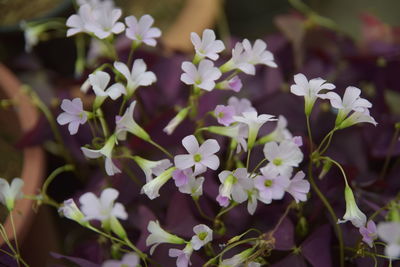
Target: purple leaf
{"type": "Point", "coordinates": [316, 248]}
{"type": "Point", "coordinates": [81, 262]}
{"type": "Point", "coordinates": [284, 236]}
{"type": "Point", "coordinates": [292, 260]}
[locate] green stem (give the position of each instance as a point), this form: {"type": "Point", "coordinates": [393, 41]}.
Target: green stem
{"type": "Point", "coordinates": [331, 212]}
{"type": "Point", "coordinates": [310, 139]}
{"type": "Point", "coordinates": [103, 122]}
{"type": "Point", "coordinates": [327, 137]}
{"type": "Point", "coordinates": [225, 210]}
{"type": "Point", "coordinates": [53, 175]}
{"type": "Point", "coordinates": [205, 216]}
{"type": "Point", "coordinates": [256, 167]}
{"type": "Point", "coordinates": [248, 158]}
{"type": "Point", "coordinates": [161, 148]}
{"type": "Point", "coordinates": [339, 166]}
{"type": "Point", "coordinates": [14, 233]}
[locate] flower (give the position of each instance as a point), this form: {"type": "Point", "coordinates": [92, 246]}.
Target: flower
{"type": "Point", "coordinates": [126, 123]}
{"type": "Point", "coordinates": [181, 177]}
{"type": "Point", "coordinates": [9, 193]}
{"type": "Point", "coordinates": [150, 167]}
{"type": "Point", "coordinates": [245, 57]}
{"type": "Point", "coordinates": [390, 233]}
{"type": "Point", "coordinates": [71, 211]}
{"type": "Point", "coordinates": [183, 256]}
{"type": "Point", "coordinates": [234, 84]}
{"type": "Point", "coordinates": [252, 200]}
{"type": "Point", "coordinates": [202, 77]}
{"type": "Point", "coordinates": [224, 114]}
{"type": "Point", "coordinates": [99, 81]}
{"type": "Point", "coordinates": [194, 186]}
{"type": "Point", "coordinates": [298, 187]}
{"type": "Point", "coordinates": [310, 90]}
{"type": "Point", "coordinates": [254, 123]}
{"type": "Point", "coordinates": [279, 134]}
{"type": "Point", "coordinates": [103, 208]}
{"type": "Point", "coordinates": [152, 187]}
{"type": "Point", "coordinates": [73, 114]}
{"type": "Point", "coordinates": [204, 234]}
{"type": "Point", "coordinates": [207, 46]}
{"type": "Point", "coordinates": [235, 184]}
{"type": "Point", "coordinates": [238, 132]}
{"type": "Point", "coordinates": [283, 157]}
{"type": "Point", "coordinates": [369, 233]}
{"type": "Point", "coordinates": [128, 260]}
{"type": "Point", "coordinates": [270, 185]}
{"type": "Point", "coordinates": [238, 259]}
{"type": "Point", "coordinates": [357, 117]}
{"type": "Point", "coordinates": [240, 105]}
{"type": "Point", "coordinates": [351, 102]}
{"type": "Point", "coordinates": [170, 128]}
{"type": "Point", "coordinates": [138, 76]}
{"type": "Point", "coordinates": [200, 157]}
{"type": "Point", "coordinates": [141, 31]}
{"type": "Point", "coordinates": [104, 21]}
{"type": "Point", "coordinates": [158, 236]}
{"type": "Point", "coordinates": [78, 22]}
{"type": "Point", "coordinates": [106, 152]}
{"type": "Point", "coordinates": [353, 213]}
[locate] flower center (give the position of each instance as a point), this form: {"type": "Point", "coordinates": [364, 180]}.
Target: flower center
{"type": "Point", "coordinates": [277, 161]}
{"type": "Point", "coordinates": [268, 183]}
{"type": "Point", "coordinates": [221, 115]}
{"type": "Point", "coordinates": [202, 235]}
{"type": "Point", "coordinates": [197, 157]}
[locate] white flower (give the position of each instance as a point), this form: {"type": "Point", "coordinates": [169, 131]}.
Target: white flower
{"type": "Point", "coordinates": [138, 76]}
{"type": "Point", "coordinates": [203, 77]}
{"type": "Point", "coordinates": [390, 233]}
{"type": "Point", "coordinates": [126, 123]}
{"type": "Point", "coordinates": [207, 46]}
{"type": "Point", "coordinates": [309, 89]}
{"type": "Point", "coordinates": [203, 235]}
{"type": "Point", "coordinates": [106, 152]}
{"type": "Point", "coordinates": [105, 21]}
{"type": "Point", "coordinates": [254, 123]}
{"type": "Point", "coordinates": [353, 213]}
{"type": "Point", "coordinates": [235, 184]}
{"type": "Point", "coordinates": [187, 183]}
{"type": "Point", "coordinates": [357, 117]}
{"type": "Point", "coordinates": [141, 31]}
{"type": "Point", "coordinates": [200, 157]}
{"type": "Point", "coordinates": [158, 236]}
{"type": "Point", "coordinates": [152, 187]}
{"type": "Point", "coordinates": [99, 81]}
{"type": "Point", "coordinates": [73, 114]}
{"type": "Point", "coordinates": [9, 193]}
{"type": "Point", "coordinates": [245, 57]}
{"type": "Point", "coordinates": [240, 105]}
{"type": "Point", "coordinates": [298, 187]}
{"type": "Point", "coordinates": [103, 208]}
{"type": "Point", "coordinates": [279, 134]}
{"type": "Point", "coordinates": [78, 22]}
{"type": "Point", "coordinates": [182, 114]}
{"type": "Point", "coordinates": [283, 157]}
{"type": "Point", "coordinates": [128, 260]}
{"type": "Point", "coordinates": [151, 167]}
{"type": "Point", "coordinates": [270, 185]}
{"type": "Point", "coordinates": [351, 102]}
{"type": "Point", "coordinates": [71, 211]}
{"type": "Point", "coordinates": [183, 256]}
{"type": "Point", "coordinates": [239, 259]}
{"type": "Point", "coordinates": [252, 200]}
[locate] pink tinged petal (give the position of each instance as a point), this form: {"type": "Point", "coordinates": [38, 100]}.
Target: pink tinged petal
{"type": "Point", "coordinates": [235, 84]}
{"type": "Point", "coordinates": [298, 140]}
{"type": "Point", "coordinates": [110, 167]}
{"type": "Point", "coordinates": [152, 33]}
{"type": "Point", "coordinates": [191, 145]}
{"type": "Point", "coordinates": [131, 21]}
{"type": "Point", "coordinates": [211, 162]}
{"type": "Point", "coordinates": [118, 28]}
{"type": "Point", "coordinates": [73, 127]}
{"type": "Point", "coordinates": [223, 201]}
{"type": "Point", "coordinates": [180, 178]}
{"type": "Point", "coordinates": [199, 168]}
{"type": "Point", "coordinates": [72, 107]}
{"type": "Point", "coordinates": [145, 22]}
{"type": "Point", "coordinates": [183, 161]}
{"type": "Point", "coordinates": [209, 147]}
{"type": "Point", "coordinates": [65, 118]}
{"type": "Point", "coordinates": [115, 15]}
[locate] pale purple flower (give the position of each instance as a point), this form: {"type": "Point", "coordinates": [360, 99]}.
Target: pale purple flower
{"type": "Point", "coordinates": [223, 201]}
{"type": "Point", "coordinates": [10, 192]}
{"type": "Point", "coordinates": [281, 132]}
{"type": "Point", "coordinates": [389, 232]}
{"type": "Point", "coordinates": [240, 105]}
{"type": "Point", "coordinates": [73, 114]}
{"type": "Point", "coordinates": [128, 260]}
{"type": "Point", "coordinates": [235, 184]}
{"type": "Point", "coordinates": [159, 236]}
{"type": "Point", "coordinates": [310, 89]}
{"type": "Point", "coordinates": [235, 83]}
{"type": "Point", "coordinates": [203, 77]}
{"type": "Point", "coordinates": [103, 208]}
{"type": "Point", "coordinates": [181, 177]}
{"type": "Point", "coordinates": [254, 123]}
{"type": "Point", "coordinates": [78, 22]}
{"type": "Point", "coordinates": [369, 233]}
{"type": "Point", "coordinates": [104, 21]}
{"type": "Point", "coordinates": [224, 114]}
{"type": "Point", "coordinates": [207, 46]}
{"type": "Point", "coordinates": [152, 187]}
{"type": "Point", "coordinates": [138, 76]}
{"type": "Point", "coordinates": [141, 31]}
{"type": "Point", "coordinates": [106, 152]}
{"type": "Point", "coordinates": [245, 57]}
{"type": "Point", "coordinates": [298, 140]}
{"type": "Point", "coordinates": [270, 185]}
{"type": "Point", "coordinates": [203, 235]}
{"type": "Point", "coordinates": [193, 187]}
{"type": "Point", "coordinates": [71, 211]}
{"type": "Point", "coordinates": [298, 187]}
{"type": "Point", "coordinates": [182, 255]}
{"type": "Point", "coordinates": [151, 167]}
{"type": "Point", "coordinates": [283, 157]}
{"type": "Point", "coordinates": [126, 123]}
{"type": "Point", "coordinates": [200, 157]}
{"type": "Point", "coordinates": [99, 81]}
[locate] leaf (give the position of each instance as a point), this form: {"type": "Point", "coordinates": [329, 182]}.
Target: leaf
{"type": "Point", "coordinates": [79, 261]}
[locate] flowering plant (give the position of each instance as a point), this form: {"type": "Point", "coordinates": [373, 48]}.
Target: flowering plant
{"type": "Point", "coordinates": [229, 157]}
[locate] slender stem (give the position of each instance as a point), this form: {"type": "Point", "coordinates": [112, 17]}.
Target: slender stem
{"type": "Point", "coordinates": [14, 233]}
{"type": "Point", "coordinates": [54, 174]}
{"type": "Point", "coordinates": [327, 144]}
{"type": "Point", "coordinates": [339, 166]}
{"type": "Point", "coordinates": [310, 139]}
{"type": "Point", "coordinates": [282, 218]}
{"type": "Point", "coordinates": [121, 109]}
{"type": "Point", "coordinates": [130, 57]}
{"type": "Point", "coordinates": [161, 148]}
{"type": "Point", "coordinates": [331, 212]}
{"type": "Point", "coordinates": [389, 153]}
{"type": "Point", "coordinates": [248, 158]}
{"type": "Point", "coordinates": [225, 210]}
{"type": "Point", "coordinates": [257, 166]}
{"type": "Point", "coordinates": [103, 122]}
{"type": "Point", "coordinates": [205, 216]}
{"type": "Point", "coordinates": [371, 254]}
{"type": "Point", "coordinates": [325, 139]}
